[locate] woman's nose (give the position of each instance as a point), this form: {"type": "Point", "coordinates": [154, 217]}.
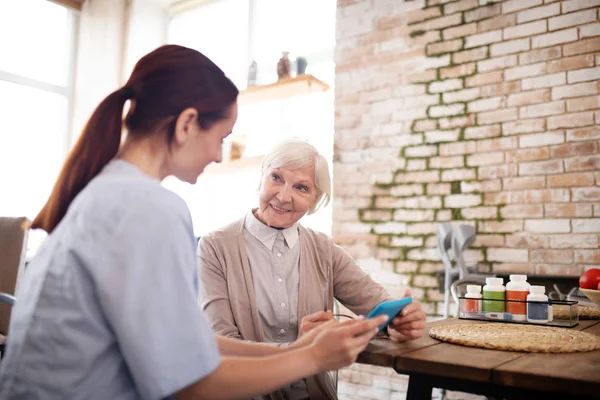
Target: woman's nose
{"type": "Point", "coordinates": [284, 195]}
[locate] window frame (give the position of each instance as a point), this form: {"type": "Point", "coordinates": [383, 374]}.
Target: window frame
{"type": "Point", "coordinates": [67, 90]}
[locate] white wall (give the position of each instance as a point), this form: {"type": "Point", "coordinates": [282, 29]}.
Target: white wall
{"type": "Point", "coordinates": [148, 26]}
{"type": "Point", "coordinates": [100, 50]}
{"type": "Point", "coordinates": [113, 35]}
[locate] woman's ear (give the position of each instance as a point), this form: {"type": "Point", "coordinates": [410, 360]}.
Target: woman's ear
{"type": "Point", "coordinates": [186, 125]}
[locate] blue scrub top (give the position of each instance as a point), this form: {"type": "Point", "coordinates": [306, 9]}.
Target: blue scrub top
{"type": "Point", "coordinates": [108, 307]}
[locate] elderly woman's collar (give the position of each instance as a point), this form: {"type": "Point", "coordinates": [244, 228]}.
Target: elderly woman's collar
{"type": "Point", "coordinates": [266, 234]}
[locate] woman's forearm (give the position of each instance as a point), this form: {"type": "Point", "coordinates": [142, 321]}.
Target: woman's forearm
{"type": "Point", "coordinates": [243, 377]}
{"type": "Point", "coordinates": [325, 348]}
{"type": "Point", "coordinates": [240, 348]}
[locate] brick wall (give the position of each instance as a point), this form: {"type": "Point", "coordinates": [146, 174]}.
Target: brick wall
{"type": "Point", "coordinates": [472, 111]}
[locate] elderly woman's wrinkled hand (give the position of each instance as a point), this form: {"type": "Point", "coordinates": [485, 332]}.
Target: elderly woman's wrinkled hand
{"type": "Point", "coordinates": [410, 324]}
{"type": "Point", "coordinates": [313, 320]}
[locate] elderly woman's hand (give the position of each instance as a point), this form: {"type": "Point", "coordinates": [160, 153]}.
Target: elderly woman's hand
{"type": "Point", "coordinates": [313, 320]}
{"type": "Point", "coordinates": [410, 324]}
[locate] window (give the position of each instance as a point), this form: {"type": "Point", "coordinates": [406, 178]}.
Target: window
{"type": "Point", "coordinates": [305, 28]}
{"type": "Point", "coordinates": [232, 33]}
{"type": "Point", "coordinates": [219, 30]}
{"type": "Point", "coordinates": [36, 70]}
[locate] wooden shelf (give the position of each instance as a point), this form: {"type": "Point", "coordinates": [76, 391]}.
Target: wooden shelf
{"type": "Point", "coordinates": [242, 164]}
{"type": "Point", "coordinates": [284, 88]}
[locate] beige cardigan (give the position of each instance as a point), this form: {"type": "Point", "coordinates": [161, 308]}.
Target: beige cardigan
{"type": "Point", "coordinates": [227, 294]}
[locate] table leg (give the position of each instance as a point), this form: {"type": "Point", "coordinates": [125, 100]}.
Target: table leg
{"type": "Point", "coordinates": [419, 387]}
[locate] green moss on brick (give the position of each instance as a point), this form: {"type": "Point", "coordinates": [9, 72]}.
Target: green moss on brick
{"type": "Point", "coordinates": [499, 217]}
{"type": "Point", "coordinates": [405, 251]}
{"type": "Point", "coordinates": [419, 32]}
{"type": "Point", "coordinates": [383, 240]}
{"type": "Point", "coordinates": [412, 125]}
{"type": "Point", "coordinates": [456, 214]}
{"type": "Point", "coordinates": [455, 187]}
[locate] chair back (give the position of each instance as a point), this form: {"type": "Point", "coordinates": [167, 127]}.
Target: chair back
{"type": "Point", "coordinates": [462, 238]}
{"type": "Point", "coordinates": [13, 245]}
{"type": "Point", "coordinates": [444, 243]}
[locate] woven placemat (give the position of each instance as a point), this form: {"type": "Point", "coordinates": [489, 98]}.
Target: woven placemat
{"type": "Point", "coordinates": [517, 337]}
{"type": "Point", "coordinates": [562, 312]}
{"type": "Point", "coordinates": [589, 312]}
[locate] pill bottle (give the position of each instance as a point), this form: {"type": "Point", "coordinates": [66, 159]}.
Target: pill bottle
{"type": "Point", "coordinates": [517, 289]}
{"type": "Point", "coordinates": [494, 295]}
{"type": "Point", "coordinates": [473, 299]}
{"type": "Point", "coordinates": [537, 305]}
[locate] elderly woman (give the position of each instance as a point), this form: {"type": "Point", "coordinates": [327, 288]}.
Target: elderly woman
{"type": "Point", "coordinates": [266, 278]}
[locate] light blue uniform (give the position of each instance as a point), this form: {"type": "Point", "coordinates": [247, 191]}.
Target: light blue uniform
{"type": "Point", "coordinates": [108, 307]}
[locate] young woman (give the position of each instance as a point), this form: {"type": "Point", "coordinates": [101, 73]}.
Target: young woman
{"type": "Point", "coordinates": [108, 307]}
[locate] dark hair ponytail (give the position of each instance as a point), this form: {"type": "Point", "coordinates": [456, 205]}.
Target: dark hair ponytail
{"type": "Point", "coordinates": [163, 84]}
{"type": "Point", "coordinates": [97, 145]}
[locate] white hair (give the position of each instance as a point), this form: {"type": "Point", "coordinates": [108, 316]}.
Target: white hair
{"type": "Point", "coordinates": [295, 154]}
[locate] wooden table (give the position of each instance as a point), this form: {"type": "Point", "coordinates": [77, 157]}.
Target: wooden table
{"type": "Point", "coordinates": [496, 374]}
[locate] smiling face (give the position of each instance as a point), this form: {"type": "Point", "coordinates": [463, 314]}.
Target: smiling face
{"type": "Point", "coordinates": [199, 147]}
{"type": "Point", "coordinates": [286, 195]}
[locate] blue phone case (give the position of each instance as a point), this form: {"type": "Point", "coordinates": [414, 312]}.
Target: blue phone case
{"type": "Point", "coordinates": [390, 308]}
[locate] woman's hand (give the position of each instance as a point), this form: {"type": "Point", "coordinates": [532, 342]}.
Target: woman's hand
{"type": "Point", "coordinates": [329, 346]}
{"type": "Point", "coordinates": [338, 344]}
{"type": "Point", "coordinates": [311, 321]}
{"type": "Point", "coordinates": [410, 324]}
{"type": "Point", "coordinates": [309, 335]}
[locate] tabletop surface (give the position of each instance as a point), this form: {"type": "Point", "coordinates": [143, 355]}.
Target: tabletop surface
{"type": "Point", "coordinates": [577, 373]}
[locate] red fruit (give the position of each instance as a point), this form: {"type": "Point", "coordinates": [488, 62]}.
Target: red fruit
{"type": "Point", "coordinates": [590, 279]}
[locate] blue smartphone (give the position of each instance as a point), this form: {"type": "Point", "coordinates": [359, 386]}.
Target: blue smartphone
{"type": "Point", "coordinates": [390, 308]}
